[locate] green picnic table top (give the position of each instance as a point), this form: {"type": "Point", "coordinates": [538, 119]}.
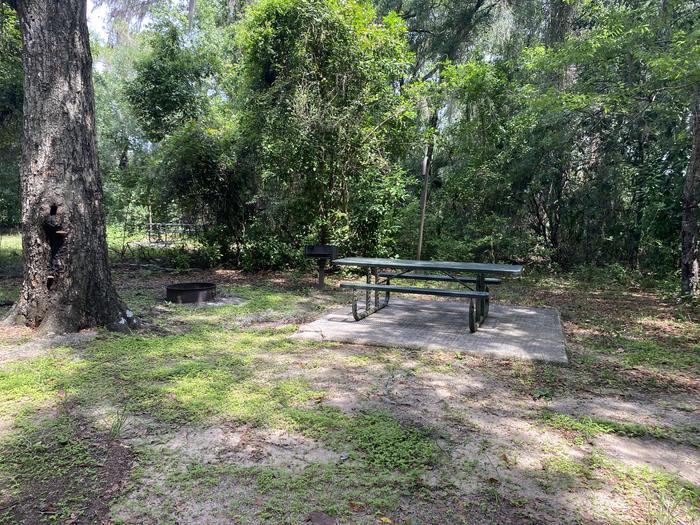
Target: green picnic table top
{"type": "Point", "coordinates": [441, 266]}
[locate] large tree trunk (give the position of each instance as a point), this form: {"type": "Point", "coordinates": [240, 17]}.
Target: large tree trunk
{"type": "Point", "coordinates": [67, 283]}
{"type": "Point", "coordinates": [559, 22]}
{"type": "Point", "coordinates": [690, 277]}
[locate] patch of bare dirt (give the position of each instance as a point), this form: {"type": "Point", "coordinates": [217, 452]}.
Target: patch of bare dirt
{"type": "Point", "coordinates": [243, 446]}
{"type": "Point", "coordinates": [40, 346]}
{"type": "Point", "coordinates": [660, 455]}
{"type": "Point", "coordinates": [13, 335]}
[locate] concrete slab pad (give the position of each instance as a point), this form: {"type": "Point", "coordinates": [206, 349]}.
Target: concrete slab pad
{"type": "Point", "coordinates": [510, 332]}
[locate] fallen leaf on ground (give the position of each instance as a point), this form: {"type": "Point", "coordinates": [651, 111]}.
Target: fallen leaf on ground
{"type": "Point", "coordinates": [320, 518]}
{"type": "Point", "coordinates": [355, 507]}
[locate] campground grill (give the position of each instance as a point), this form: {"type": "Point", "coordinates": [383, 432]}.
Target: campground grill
{"type": "Point", "coordinates": [190, 293]}
{"type": "Point", "coordinates": [322, 253]}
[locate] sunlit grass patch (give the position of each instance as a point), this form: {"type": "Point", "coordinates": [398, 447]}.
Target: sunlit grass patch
{"type": "Point", "coordinates": [346, 490]}
{"type": "Point", "coordinates": [262, 298]}
{"type": "Point", "coordinates": [288, 497]}
{"type": "Point", "coordinates": [643, 487]}
{"type": "Point", "coordinates": [586, 428]}
{"type": "Point", "coordinates": [260, 304]}
{"type": "Point", "coordinates": [666, 498]}
{"type": "Point", "coordinates": [675, 354]}
{"type": "Point", "coordinates": [29, 385]}
{"type": "Point", "coordinates": [384, 442]}
{"type": "Point", "coordinates": [193, 376]}
{"type": "Point", "coordinates": [10, 247]}
{"type": "Point", "coordinates": [262, 403]}
{"type": "Point", "coordinates": [388, 444]}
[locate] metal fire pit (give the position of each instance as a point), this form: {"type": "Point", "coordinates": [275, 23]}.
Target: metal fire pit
{"type": "Point", "coordinates": [190, 292]}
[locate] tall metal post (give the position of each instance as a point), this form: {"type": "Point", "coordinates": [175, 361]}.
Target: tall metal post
{"type": "Point", "coordinates": [321, 274]}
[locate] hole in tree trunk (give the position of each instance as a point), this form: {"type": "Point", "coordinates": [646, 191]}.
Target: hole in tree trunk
{"type": "Point", "coordinates": [55, 234]}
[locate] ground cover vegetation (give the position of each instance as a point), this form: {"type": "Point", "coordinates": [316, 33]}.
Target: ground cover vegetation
{"type": "Point", "coordinates": [554, 132]}
{"type": "Point", "coordinates": [215, 415]}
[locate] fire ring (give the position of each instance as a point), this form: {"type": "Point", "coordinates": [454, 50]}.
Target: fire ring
{"type": "Point", "coordinates": [190, 292]}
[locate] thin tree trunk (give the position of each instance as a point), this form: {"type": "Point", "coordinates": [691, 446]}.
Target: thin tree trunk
{"type": "Point", "coordinates": [425, 172]}
{"type": "Point", "coordinates": [67, 283]}
{"type": "Point", "coordinates": [190, 14]}
{"type": "Point", "coordinates": [234, 9]}
{"type": "Point", "coordinates": [690, 275]}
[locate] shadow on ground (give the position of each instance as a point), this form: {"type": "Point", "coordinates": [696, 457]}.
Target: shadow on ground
{"type": "Point", "coordinates": [215, 416]}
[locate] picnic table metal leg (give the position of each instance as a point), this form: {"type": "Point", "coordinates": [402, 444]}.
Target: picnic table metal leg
{"type": "Point", "coordinates": [473, 325]}
{"type": "Point", "coordinates": [482, 305]}
{"type": "Point", "coordinates": [356, 315]}
{"type": "Point", "coordinates": [369, 308]}
{"type": "Point", "coordinates": [487, 302]}
{"type": "Point", "coordinates": [368, 293]}
{"type": "Point", "coordinates": [376, 292]}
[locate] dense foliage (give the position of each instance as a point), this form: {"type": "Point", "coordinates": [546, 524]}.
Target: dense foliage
{"type": "Point", "coordinates": [10, 115]}
{"type": "Point", "coordinates": [561, 128]}
{"type": "Point", "coordinates": [323, 110]}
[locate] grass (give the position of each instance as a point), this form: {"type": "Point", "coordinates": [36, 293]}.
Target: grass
{"type": "Point", "coordinates": [189, 378]}
{"type": "Point", "coordinates": [10, 248]}
{"type": "Point", "coordinates": [385, 443]}
{"type": "Point", "coordinates": [675, 353]}
{"type": "Point", "coordinates": [30, 386]}
{"type": "Point", "coordinates": [10, 268]}
{"type": "Point", "coordinates": [585, 428]}
{"type": "Point", "coordinates": [667, 495]}
{"type": "Point", "coordinates": [50, 451]}
{"type": "Point", "coordinates": [234, 367]}
{"type": "Point", "coordinates": [590, 427]}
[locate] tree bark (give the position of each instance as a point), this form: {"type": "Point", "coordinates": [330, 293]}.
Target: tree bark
{"type": "Point", "coordinates": [427, 167]}
{"type": "Point", "coordinates": [559, 23]}
{"type": "Point", "coordinates": [690, 274]}
{"type": "Point", "coordinates": [67, 282]}
{"type": "Point", "coordinates": [190, 14]}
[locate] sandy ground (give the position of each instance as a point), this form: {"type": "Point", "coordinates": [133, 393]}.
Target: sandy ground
{"type": "Point", "coordinates": [498, 463]}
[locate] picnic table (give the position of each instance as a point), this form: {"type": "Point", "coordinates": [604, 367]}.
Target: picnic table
{"type": "Point", "coordinates": [474, 280]}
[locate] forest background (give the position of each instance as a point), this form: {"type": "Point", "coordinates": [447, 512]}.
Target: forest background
{"type": "Point", "coordinates": [552, 132]}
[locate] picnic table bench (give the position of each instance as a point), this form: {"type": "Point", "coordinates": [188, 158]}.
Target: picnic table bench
{"type": "Point", "coordinates": [474, 285]}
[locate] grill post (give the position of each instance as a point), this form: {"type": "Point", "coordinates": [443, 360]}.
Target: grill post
{"type": "Point", "coordinates": [321, 274]}
{"type": "Point", "coordinates": [322, 253]}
